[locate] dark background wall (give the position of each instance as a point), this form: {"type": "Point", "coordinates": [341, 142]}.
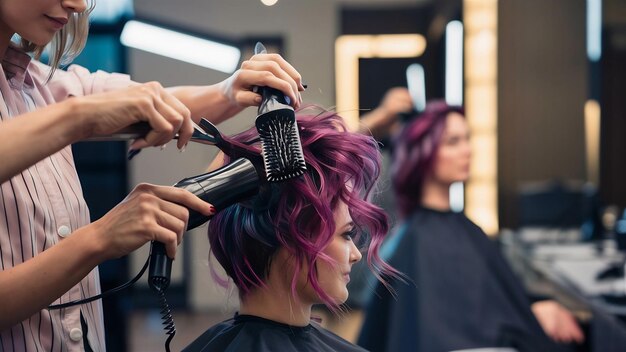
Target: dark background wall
{"type": "Point", "coordinates": [613, 91]}
{"type": "Point", "coordinates": [542, 89]}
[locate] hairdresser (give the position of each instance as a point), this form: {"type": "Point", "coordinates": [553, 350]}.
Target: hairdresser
{"type": "Point", "coordinates": [49, 251]}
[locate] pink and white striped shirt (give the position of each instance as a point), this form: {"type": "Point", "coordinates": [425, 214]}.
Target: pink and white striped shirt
{"type": "Point", "coordinates": [44, 204]}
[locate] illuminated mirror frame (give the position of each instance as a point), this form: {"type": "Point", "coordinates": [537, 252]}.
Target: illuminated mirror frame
{"type": "Point", "coordinates": [350, 48]}
{"type": "Point", "coordinates": [481, 108]}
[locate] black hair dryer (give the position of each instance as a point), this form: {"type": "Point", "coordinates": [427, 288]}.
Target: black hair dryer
{"type": "Point", "coordinates": [225, 186]}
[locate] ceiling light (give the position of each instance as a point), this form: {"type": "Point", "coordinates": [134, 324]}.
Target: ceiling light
{"type": "Point", "coordinates": [181, 46]}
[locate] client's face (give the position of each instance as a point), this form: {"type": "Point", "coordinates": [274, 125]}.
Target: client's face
{"type": "Point", "coordinates": [453, 157]}
{"type": "Point", "coordinates": [333, 277]}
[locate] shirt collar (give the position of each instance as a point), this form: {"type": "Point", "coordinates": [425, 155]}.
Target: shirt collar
{"type": "Point", "coordinates": [15, 63]}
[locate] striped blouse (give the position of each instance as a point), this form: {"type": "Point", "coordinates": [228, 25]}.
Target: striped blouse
{"type": "Point", "coordinates": [44, 204]}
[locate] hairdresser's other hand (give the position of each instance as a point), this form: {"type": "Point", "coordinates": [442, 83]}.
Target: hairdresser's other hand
{"type": "Point", "coordinates": [265, 70]}
{"type": "Point", "coordinates": [557, 322]}
{"type": "Point", "coordinates": [396, 101]}
{"type": "Point", "coordinates": [148, 213]}
{"type": "Point", "coordinates": [110, 112]}
{"type": "Point", "coordinates": [384, 120]}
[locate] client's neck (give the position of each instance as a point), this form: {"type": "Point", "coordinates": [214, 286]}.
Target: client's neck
{"type": "Point", "coordinates": [436, 195]}
{"type": "Point", "coordinates": [275, 301]}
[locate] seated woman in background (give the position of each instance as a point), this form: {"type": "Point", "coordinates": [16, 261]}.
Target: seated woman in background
{"type": "Point", "coordinates": [293, 245]}
{"type": "Point", "coordinates": [462, 293]}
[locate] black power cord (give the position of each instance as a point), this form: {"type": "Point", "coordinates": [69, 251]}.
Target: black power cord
{"type": "Point", "coordinates": [168, 319]}
{"type": "Point", "coordinates": [103, 294]}
{"type": "Point", "coordinates": [158, 280]}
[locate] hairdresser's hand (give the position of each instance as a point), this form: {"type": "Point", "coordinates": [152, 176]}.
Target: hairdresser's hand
{"type": "Point", "coordinates": [384, 120]}
{"type": "Point", "coordinates": [266, 70]}
{"type": "Point", "coordinates": [148, 213]}
{"type": "Point", "coordinates": [109, 112]}
{"type": "Point", "coordinates": [557, 322]}
{"type": "Point", "coordinates": [396, 101]}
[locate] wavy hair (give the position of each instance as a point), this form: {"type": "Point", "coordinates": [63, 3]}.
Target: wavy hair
{"type": "Point", "coordinates": [66, 43]}
{"type": "Point", "coordinates": [297, 214]}
{"type": "Point", "coordinates": [414, 153]}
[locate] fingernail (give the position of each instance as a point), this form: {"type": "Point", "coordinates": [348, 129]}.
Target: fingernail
{"type": "Point", "coordinates": [212, 209]}
{"type": "Point", "coordinates": [132, 152]}
{"type": "Point", "coordinates": [163, 146]}
{"type": "Point", "coordinates": [258, 99]}
{"type": "Point", "coordinates": [181, 150]}
{"type": "Point", "coordinates": [305, 86]}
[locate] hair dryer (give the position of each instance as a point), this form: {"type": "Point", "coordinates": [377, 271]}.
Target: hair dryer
{"type": "Point", "coordinates": [281, 159]}
{"type": "Point", "coordinates": [228, 185]}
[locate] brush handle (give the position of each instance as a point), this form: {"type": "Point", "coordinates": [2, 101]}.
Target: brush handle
{"type": "Point", "coordinates": [259, 48]}
{"type": "Point", "coordinates": [273, 99]}
{"type": "Point", "coordinates": [269, 95]}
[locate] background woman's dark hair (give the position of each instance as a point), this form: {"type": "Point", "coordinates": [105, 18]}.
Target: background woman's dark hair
{"type": "Point", "coordinates": [298, 214]}
{"type": "Point", "coordinates": [415, 151]}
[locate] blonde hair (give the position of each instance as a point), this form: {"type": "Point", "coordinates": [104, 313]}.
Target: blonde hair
{"type": "Point", "coordinates": [66, 43]}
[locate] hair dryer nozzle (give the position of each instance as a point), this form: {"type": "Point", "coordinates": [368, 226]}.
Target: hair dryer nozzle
{"type": "Point", "coordinates": [225, 186]}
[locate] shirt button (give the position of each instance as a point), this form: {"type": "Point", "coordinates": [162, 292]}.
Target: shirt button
{"type": "Point", "coordinates": [76, 334]}
{"type": "Point", "coordinates": [64, 230]}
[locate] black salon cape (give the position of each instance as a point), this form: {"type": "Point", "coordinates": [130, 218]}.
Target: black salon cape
{"type": "Point", "coordinates": [462, 295]}
{"type": "Point", "coordinates": [251, 333]}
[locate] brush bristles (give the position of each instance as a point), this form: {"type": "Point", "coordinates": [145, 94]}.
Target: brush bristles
{"type": "Point", "coordinates": [282, 149]}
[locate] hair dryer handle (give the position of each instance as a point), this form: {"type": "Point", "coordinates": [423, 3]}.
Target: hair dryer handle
{"type": "Point", "coordinates": [160, 267]}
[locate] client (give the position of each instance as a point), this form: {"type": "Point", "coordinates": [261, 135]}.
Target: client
{"type": "Point", "coordinates": [293, 245]}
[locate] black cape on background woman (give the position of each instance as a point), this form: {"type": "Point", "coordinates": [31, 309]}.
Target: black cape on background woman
{"type": "Point", "coordinates": [462, 295]}
{"type": "Point", "coordinates": [251, 333]}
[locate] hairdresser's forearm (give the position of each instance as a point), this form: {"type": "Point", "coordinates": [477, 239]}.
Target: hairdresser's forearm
{"type": "Point", "coordinates": [33, 285]}
{"type": "Point", "coordinates": [378, 122]}
{"type": "Point", "coordinates": [28, 138]}
{"type": "Point", "coordinates": [207, 102]}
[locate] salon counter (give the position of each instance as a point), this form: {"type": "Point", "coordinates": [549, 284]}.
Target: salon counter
{"type": "Point", "coordinates": [554, 263]}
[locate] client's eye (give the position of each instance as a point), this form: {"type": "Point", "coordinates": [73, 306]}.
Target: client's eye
{"type": "Point", "coordinates": [350, 234]}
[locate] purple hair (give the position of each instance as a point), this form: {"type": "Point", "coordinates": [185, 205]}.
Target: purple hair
{"type": "Point", "coordinates": [414, 152]}
{"type": "Point", "coordinates": [298, 214]}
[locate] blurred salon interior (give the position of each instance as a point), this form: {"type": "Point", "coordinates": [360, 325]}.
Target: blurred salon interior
{"type": "Point", "coordinates": [542, 85]}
